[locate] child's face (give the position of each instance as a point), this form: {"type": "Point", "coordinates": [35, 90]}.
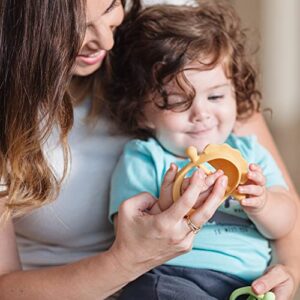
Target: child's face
{"type": "Point", "coordinates": [209, 120]}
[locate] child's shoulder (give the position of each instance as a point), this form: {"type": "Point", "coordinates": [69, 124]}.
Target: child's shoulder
{"type": "Point", "coordinates": [149, 146]}
{"type": "Point", "coordinates": [247, 145]}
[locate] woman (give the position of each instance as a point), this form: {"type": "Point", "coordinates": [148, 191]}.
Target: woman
{"type": "Point", "coordinates": [51, 56]}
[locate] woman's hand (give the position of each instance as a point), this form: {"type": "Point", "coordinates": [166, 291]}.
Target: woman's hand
{"type": "Point", "coordinates": [277, 279]}
{"type": "Point", "coordinates": [145, 240]}
{"type": "Point", "coordinates": [166, 194]}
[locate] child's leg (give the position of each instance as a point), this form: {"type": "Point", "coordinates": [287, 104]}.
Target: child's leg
{"type": "Point", "coordinates": [219, 285]}
{"type": "Point", "coordinates": [164, 283]}
{"type": "Point", "coordinates": [177, 283]}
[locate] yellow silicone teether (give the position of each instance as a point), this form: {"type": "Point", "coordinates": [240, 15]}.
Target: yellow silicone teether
{"type": "Point", "coordinates": [221, 157]}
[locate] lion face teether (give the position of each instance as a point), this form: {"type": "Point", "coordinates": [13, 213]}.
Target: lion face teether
{"type": "Point", "coordinates": [222, 157]}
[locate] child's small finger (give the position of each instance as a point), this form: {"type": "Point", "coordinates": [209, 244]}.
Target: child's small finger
{"type": "Point", "coordinates": [251, 189]}
{"type": "Point", "coordinates": [255, 167]}
{"type": "Point", "coordinates": [257, 177]}
{"type": "Point", "coordinates": [252, 202]}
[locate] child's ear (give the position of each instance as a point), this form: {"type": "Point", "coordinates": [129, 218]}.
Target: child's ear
{"type": "Point", "coordinates": [144, 122]}
{"type": "Point", "coordinates": [148, 124]}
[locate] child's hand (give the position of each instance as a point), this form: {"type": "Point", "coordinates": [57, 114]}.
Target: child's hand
{"type": "Point", "coordinates": [255, 189]}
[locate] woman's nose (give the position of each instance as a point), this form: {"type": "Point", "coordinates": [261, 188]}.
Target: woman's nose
{"type": "Point", "coordinates": [107, 39]}
{"type": "Point", "coordinates": [104, 36]}
{"type": "Point", "coordinates": [105, 29]}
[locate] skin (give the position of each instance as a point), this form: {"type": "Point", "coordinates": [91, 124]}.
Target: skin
{"type": "Point", "coordinates": [209, 120]}
{"type": "Point", "coordinates": [99, 276]}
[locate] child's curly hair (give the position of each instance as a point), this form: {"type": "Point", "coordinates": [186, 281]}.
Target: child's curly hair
{"type": "Point", "coordinates": [154, 49]}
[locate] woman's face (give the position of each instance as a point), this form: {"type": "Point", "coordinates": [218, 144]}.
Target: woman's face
{"type": "Point", "coordinates": [102, 19]}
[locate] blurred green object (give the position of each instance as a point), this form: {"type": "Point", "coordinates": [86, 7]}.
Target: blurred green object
{"type": "Point", "coordinates": [248, 291]}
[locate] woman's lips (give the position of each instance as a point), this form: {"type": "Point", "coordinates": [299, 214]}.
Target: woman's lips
{"type": "Point", "coordinates": [93, 58]}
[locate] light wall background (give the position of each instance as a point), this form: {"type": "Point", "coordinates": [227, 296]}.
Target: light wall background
{"type": "Point", "coordinates": [275, 24]}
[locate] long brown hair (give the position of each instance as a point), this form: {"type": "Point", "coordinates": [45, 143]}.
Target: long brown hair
{"type": "Point", "coordinates": [155, 49]}
{"type": "Point", "coordinates": [39, 41]}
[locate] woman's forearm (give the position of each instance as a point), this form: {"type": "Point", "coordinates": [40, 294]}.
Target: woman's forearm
{"type": "Point", "coordinates": [287, 248]}
{"type": "Point", "coordinates": [257, 125]}
{"type": "Point", "coordinates": [93, 278]}
{"type": "Point", "coordinates": [278, 204]}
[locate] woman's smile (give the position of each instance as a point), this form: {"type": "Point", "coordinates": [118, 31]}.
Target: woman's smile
{"type": "Point", "coordinates": [91, 58]}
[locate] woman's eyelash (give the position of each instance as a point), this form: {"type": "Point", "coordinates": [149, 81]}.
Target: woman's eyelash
{"type": "Point", "coordinates": [114, 4]}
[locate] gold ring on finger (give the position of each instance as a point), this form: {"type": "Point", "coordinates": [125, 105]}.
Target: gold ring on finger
{"type": "Point", "coordinates": [194, 228]}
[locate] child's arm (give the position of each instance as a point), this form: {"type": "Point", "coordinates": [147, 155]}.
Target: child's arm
{"type": "Point", "coordinates": [271, 209]}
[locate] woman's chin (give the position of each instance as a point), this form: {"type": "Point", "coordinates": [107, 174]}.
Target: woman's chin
{"type": "Point", "coordinates": [85, 70]}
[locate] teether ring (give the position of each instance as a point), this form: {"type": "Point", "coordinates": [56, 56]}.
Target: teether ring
{"type": "Point", "coordinates": [248, 291]}
{"type": "Point", "coordinates": [222, 157]}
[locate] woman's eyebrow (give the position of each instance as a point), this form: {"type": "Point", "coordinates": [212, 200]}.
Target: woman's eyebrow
{"type": "Point", "coordinates": [112, 4]}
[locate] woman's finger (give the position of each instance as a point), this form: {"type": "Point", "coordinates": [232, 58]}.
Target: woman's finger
{"type": "Point", "coordinates": [211, 204]}
{"type": "Point", "coordinates": [138, 204]}
{"type": "Point", "coordinates": [209, 180]}
{"type": "Point", "coordinates": [202, 198]}
{"type": "Point", "coordinates": [188, 199]}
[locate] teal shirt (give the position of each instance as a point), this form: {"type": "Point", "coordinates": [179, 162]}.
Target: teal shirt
{"type": "Point", "coordinates": [229, 242]}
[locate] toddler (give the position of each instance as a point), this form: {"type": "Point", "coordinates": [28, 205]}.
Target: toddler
{"type": "Point", "coordinates": [180, 77]}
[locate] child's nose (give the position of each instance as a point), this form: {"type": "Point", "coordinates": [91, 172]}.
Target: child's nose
{"type": "Point", "coordinates": [199, 112]}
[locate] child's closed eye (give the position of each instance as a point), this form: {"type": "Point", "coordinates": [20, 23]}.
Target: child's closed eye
{"type": "Point", "coordinates": [215, 97]}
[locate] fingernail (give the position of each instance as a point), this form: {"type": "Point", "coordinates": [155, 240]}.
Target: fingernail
{"type": "Point", "coordinates": [259, 287]}
{"type": "Point", "coordinates": [172, 166]}
{"type": "Point", "coordinates": [245, 202]}
{"type": "Point", "coordinates": [199, 173]}
{"type": "Point", "coordinates": [224, 181]}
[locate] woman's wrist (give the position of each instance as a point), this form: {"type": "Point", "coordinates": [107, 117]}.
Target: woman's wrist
{"type": "Point", "coordinates": [124, 263]}
{"type": "Point", "coordinates": [294, 272]}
